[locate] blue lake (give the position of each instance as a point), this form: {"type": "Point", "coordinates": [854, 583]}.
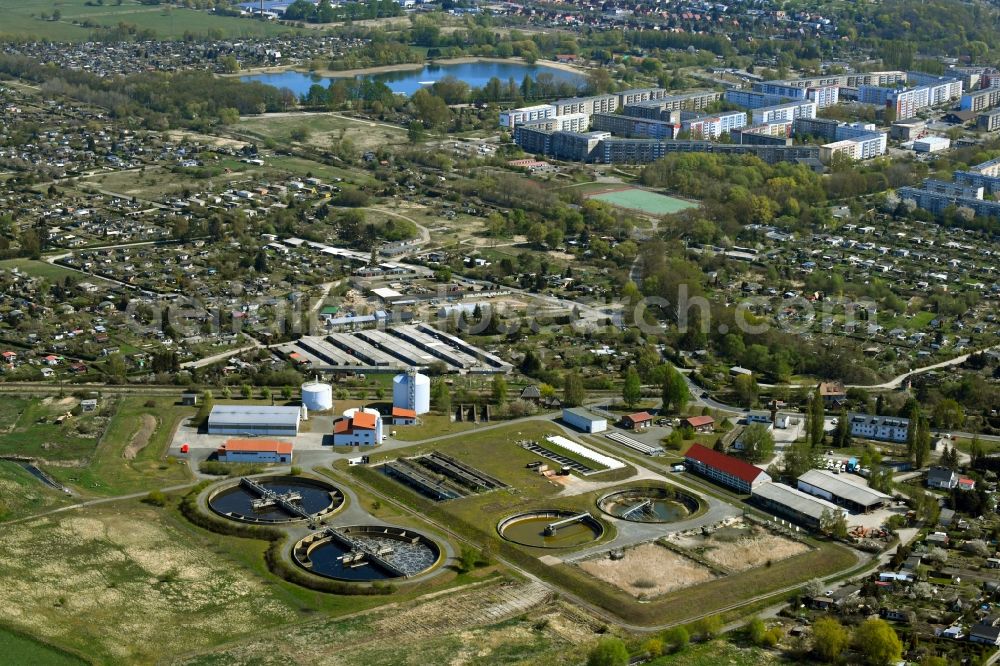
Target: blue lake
{"type": "Point", "coordinates": [407, 82]}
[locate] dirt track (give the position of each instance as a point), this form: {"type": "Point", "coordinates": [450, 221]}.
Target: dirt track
{"type": "Point", "coordinates": [648, 571]}
{"type": "Point", "coordinates": [141, 437]}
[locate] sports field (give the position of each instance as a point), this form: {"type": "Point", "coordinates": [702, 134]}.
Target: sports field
{"type": "Point", "coordinates": [643, 200]}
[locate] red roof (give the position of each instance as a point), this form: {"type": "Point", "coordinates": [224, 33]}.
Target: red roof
{"type": "Point", "coordinates": [255, 445]}
{"type": "Point", "coordinates": [698, 421]}
{"type": "Point", "coordinates": [639, 417]}
{"type": "Point", "coordinates": [364, 420]}
{"type": "Point", "coordinates": [404, 413]}
{"type": "Point", "coordinates": [720, 461]}
{"type": "Point", "coordinates": [343, 425]}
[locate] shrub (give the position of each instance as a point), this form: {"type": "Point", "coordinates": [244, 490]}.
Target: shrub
{"type": "Point", "coordinates": [677, 638]}
{"type": "Point", "coordinates": [609, 652]}
{"type": "Point", "coordinates": [156, 498]}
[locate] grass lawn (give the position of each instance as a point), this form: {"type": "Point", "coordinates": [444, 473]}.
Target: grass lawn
{"type": "Point", "coordinates": [431, 426]}
{"type": "Point", "coordinates": [23, 20]}
{"type": "Point", "coordinates": [42, 269]}
{"type": "Point", "coordinates": [19, 649]}
{"type": "Point", "coordinates": [34, 432]}
{"type": "Point", "coordinates": [920, 320]}
{"type": "Point", "coordinates": [109, 473]}
{"type": "Point", "coordinates": [21, 494]}
{"type": "Point", "coordinates": [644, 201]}
{"type": "Point", "coordinates": [717, 652]}
{"type": "Point", "coordinates": [324, 130]}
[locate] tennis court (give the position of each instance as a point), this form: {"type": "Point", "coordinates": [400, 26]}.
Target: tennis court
{"type": "Point", "coordinates": [644, 201]}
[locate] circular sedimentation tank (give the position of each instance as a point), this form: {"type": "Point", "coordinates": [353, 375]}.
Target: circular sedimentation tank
{"type": "Point", "coordinates": [240, 501]}
{"type": "Point", "coordinates": [366, 553]}
{"type": "Point", "coordinates": [649, 505]}
{"type": "Point", "coordinates": [551, 529]}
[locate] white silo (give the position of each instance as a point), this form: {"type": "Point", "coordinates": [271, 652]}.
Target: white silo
{"type": "Point", "coordinates": [412, 390]}
{"type": "Point", "coordinates": [317, 396]}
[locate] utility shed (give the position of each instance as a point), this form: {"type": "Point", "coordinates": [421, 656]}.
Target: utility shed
{"type": "Point", "coordinates": [253, 420]}
{"type": "Point", "coordinates": [583, 420]}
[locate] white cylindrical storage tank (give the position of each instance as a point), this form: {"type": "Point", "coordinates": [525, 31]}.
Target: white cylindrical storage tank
{"type": "Point", "coordinates": [412, 391]}
{"type": "Point", "coordinates": [349, 413]}
{"type": "Point", "coordinates": [317, 396]}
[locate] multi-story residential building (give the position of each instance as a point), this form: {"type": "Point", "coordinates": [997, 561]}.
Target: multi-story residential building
{"type": "Point", "coordinates": [930, 90]}
{"type": "Point", "coordinates": [773, 134]}
{"type": "Point", "coordinates": [571, 122]}
{"type": "Point", "coordinates": [980, 100]}
{"type": "Point", "coordinates": [658, 108]}
{"type": "Point", "coordinates": [526, 114]}
{"type": "Point", "coordinates": [938, 201]}
{"type": "Point", "coordinates": [630, 127]}
{"type": "Point", "coordinates": [714, 126]}
{"type": "Point", "coordinates": [751, 99]}
{"type": "Point", "coordinates": [637, 95]}
{"type": "Point", "coordinates": [989, 121]}
{"type": "Point", "coordinates": [861, 147]}
{"type": "Point", "coordinates": [783, 112]}
{"type": "Point", "coordinates": [821, 128]}
{"type": "Point", "coordinates": [988, 168]}
{"type": "Point", "coordinates": [989, 184]}
{"type": "Point", "coordinates": [883, 428]}
{"type": "Point", "coordinates": [577, 146]}
{"type": "Point", "coordinates": [587, 105]}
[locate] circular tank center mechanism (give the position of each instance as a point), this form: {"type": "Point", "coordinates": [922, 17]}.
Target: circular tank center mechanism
{"type": "Point", "coordinates": [276, 499]}
{"type": "Point", "coordinates": [649, 505]}
{"type": "Point", "coordinates": [551, 529]}
{"type": "Point", "coordinates": [366, 553]}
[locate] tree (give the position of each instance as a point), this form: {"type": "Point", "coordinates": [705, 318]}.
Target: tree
{"type": "Point", "coordinates": [877, 642]}
{"type": "Point", "coordinates": [441, 396]}
{"type": "Point", "coordinates": [833, 523]}
{"type": "Point", "coordinates": [758, 442]}
{"type": "Point", "coordinates": [746, 390]}
{"type": "Point", "coordinates": [609, 652]}
{"type": "Point", "coordinates": [573, 391]}
{"type": "Point", "coordinates": [286, 392]}
{"type": "Point", "coordinates": [265, 393]}
{"type": "Point", "coordinates": [948, 414]}
{"type": "Point", "coordinates": [116, 366]}
{"type": "Point", "coordinates": [708, 627]}
{"type": "Point", "coordinates": [415, 131]}
{"type": "Point", "coordinates": [842, 433]}
{"type": "Point", "coordinates": [800, 457]}
{"type": "Point", "coordinates": [830, 638]}
{"type": "Point", "coordinates": [756, 630]}
{"type": "Point", "coordinates": [922, 442]}
{"type": "Point", "coordinates": [677, 638]}
{"type": "Point", "coordinates": [246, 391]}
{"type": "Point", "coordinates": [632, 389]}
{"type": "Point", "coordinates": [675, 391]}
{"type": "Point", "coordinates": [467, 559]}
{"type": "Point", "coordinates": [499, 389]}
{"type": "Point", "coordinates": [817, 419]}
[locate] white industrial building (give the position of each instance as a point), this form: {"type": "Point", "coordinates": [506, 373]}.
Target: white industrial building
{"type": "Point", "coordinates": [795, 505]}
{"type": "Point", "coordinates": [884, 428]}
{"type": "Point", "coordinates": [583, 420]}
{"type": "Point", "coordinates": [832, 488]}
{"type": "Point", "coordinates": [931, 144]}
{"type": "Point", "coordinates": [254, 420]}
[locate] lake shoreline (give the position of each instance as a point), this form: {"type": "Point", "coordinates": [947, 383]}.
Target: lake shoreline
{"type": "Point", "coordinates": [403, 67]}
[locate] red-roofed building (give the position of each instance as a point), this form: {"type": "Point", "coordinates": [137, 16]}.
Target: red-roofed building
{"type": "Point", "coordinates": [360, 428]}
{"type": "Point", "coordinates": [637, 421]}
{"type": "Point", "coordinates": [700, 423]}
{"type": "Point", "coordinates": [402, 416]}
{"type": "Point", "coordinates": [725, 470]}
{"type": "Point", "coordinates": [255, 450]}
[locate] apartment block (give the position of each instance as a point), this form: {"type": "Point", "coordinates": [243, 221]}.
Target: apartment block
{"type": "Point", "coordinates": [627, 126]}
{"type": "Point", "coordinates": [980, 100]}
{"type": "Point", "coordinates": [752, 99]}
{"type": "Point", "coordinates": [526, 114]}
{"type": "Point", "coordinates": [714, 126]}
{"type": "Point", "coordinates": [783, 112]}
{"type": "Point", "coordinates": [988, 122]}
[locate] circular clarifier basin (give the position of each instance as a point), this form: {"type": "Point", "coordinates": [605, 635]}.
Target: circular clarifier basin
{"type": "Point", "coordinates": [551, 529]}
{"type": "Point", "coordinates": [276, 499]}
{"type": "Point", "coordinates": [649, 505]}
{"type": "Point", "coordinates": [366, 553]}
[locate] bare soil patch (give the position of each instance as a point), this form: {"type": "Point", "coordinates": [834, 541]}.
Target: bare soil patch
{"type": "Point", "coordinates": [141, 437]}
{"type": "Point", "coordinates": [742, 547]}
{"type": "Point", "coordinates": [648, 571]}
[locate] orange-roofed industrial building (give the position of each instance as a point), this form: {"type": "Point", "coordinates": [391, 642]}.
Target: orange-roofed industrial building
{"type": "Point", "coordinates": [255, 450]}
{"type": "Point", "coordinates": [358, 427]}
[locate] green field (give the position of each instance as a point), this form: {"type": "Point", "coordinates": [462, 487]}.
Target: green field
{"type": "Point", "coordinates": [21, 494]}
{"type": "Point", "coordinates": [35, 433]}
{"type": "Point", "coordinates": [108, 472]}
{"type": "Point", "coordinates": [44, 269]}
{"type": "Point", "coordinates": [18, 649]}
{"type": "Point", "coordinates": [24, 19]}
{"type": "Point", "coordinates": [644, 201]}
{"type": "Point", "coordinates": [323, 129]}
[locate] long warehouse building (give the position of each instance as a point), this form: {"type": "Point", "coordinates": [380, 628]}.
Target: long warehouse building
{"type": "Point", "coordinates": [857, 499]}
{"type": "Point", "coordinates": [795, 505]}
{"type": "Point", "coordinates": [254, 420]}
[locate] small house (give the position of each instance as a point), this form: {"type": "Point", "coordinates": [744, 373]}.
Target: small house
{"type": "Point", "coordinates": [637, 421]}
{"type": "Point", "coordinates": [700, 423]}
